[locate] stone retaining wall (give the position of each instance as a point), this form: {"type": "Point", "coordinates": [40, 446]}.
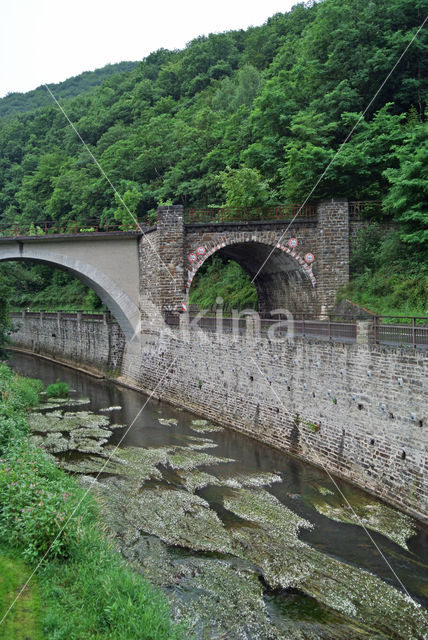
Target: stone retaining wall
{"type": "Point", "coordinates": [358, 410]}
{"type": "Point", "coordinates": [91, 344]}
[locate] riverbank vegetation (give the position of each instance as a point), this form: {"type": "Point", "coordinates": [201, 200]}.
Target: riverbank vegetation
{"type": "Point", "coordinates": [242, 118]}
{"type": "Point", "coordinates": [24, 619]}
{"type": "Point", "coordinates": [5, 323]}
{"type": "Point", "coordinates": [82, 589]}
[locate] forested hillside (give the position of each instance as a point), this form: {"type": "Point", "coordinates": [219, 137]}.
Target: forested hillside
{"type": "Point", "coordinates": [266, 108]}
{"type": "Point", "coordinates": [18, 102]}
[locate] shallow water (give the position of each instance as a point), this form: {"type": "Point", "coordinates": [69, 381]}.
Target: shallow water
{"type": "Point", "coordinates": [303, 490]}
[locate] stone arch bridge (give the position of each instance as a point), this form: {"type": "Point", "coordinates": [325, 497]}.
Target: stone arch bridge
{"type": "Point", "coordinates": [302, 264]}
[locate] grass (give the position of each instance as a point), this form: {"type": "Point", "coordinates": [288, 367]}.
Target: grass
{"type": "Point", "coordinates": [94, 596]}
{"type": "Point", "coordinates": [24, 621]}
{"type": "Point", "coordinates": [387, 276]}
{"type": "Point", "coordinates": [83, 590]}
{"type": "Point", "coordinates": [391, 293]}
{"type": "Point", "coordinates": [57, 390]}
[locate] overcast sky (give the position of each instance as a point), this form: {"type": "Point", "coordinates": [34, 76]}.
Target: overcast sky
{"type": "Point", "coordinates": [51, 40]}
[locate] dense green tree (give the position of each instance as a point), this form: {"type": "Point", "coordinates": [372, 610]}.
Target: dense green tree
{"type": "Point", "coordinates": [407, 198]}
{"type": "Point", "coordinates": [245, 187]}
{"type": "Point", "coordinates": [266, 109]}
{"type": "Point", "coordinates": [225, 279]}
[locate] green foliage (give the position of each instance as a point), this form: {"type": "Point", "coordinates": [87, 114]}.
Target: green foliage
{"type": "Point", "coordinates": [407, 198]}
{"type": "Point", "coordinates": [383, 279]}
{"type": "Point", "coordinates": [26, 392]}
{"type": "Point", "coordinates": [94, 595]}
{"type": "Point", "coordinates": [39, 508]}
{"type": "Point", "coordinates": [245, 187]}
{"type": "Point", "coordinates": [232, 94]}
{"type": "Point", "coordinates": [127, 204]}
{"type": "Point", "coordinates": [24, 619]}
{"type": "Point", "coordinates": [40, 287]}
{"type": "Point", "coordinates": [365, 254]}
{"type": "Point", "coordinates": [313, 426]}
{"type": "Point", "coordinates": [20, 102]}
{"type": "Point", "coordinates": [12, 407]}
{"type": "Point", "coordinates": [5, 324]}
{"type": "Point", "coordinates": [245, 118]}
{"type": "Point", "coordinates": [227, 280]}
{"type": "Point", "coordinates": [57, 390]}
{"type": "Point", "coordinates": [86, 589]}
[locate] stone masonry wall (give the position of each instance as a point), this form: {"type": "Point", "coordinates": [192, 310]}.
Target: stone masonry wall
{"type": "Point", "coordinates": [303, 277]}
{"type": "Point", "coordinates": [359, 411]}
{"type": "Point", "coordinates": [283, 282]}
{"type": "Point", "coordinates": [94, 345]}
{"type": "Point", "coordinates": [333, 248]}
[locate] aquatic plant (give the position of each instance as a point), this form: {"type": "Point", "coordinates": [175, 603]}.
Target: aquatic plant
{"type": "Point", "coordinates": [57, 390]}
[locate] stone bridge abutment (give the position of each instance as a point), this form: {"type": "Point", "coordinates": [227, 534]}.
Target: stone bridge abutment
{"type": "Point", "coordinates": [298, 266]}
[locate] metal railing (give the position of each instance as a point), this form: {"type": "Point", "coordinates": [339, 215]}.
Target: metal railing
{"type": "Point", "coordinates": [191, 216]}
{"type": "Point", "coordinates": [304, 325]}
{"type": "Point", "coordinates": [50, 227]}
{"type": "Point", "coordinates": [357, 207]}
{"type": "Point", "coordinates": [406, 330]}
{"type": "Point", "coordinates": [278, 212]}
{"type": "Point", "coordinates": [337, 328]}
{"type": "Point", "coordinates": [69, 315]}
{"type": "Point", "coordinates": [249, 214]}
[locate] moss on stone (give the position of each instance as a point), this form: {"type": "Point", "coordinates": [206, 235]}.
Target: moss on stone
{"type": "Point", "coordinates": [203, 426]}
{"type": "Point", "coordinates": [390, 522]}
{"type": "Point", "coordinates": [187, 459]}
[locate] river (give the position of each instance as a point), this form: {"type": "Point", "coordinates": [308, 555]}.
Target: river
{"type": "Point", "coordinates": [247, 542]}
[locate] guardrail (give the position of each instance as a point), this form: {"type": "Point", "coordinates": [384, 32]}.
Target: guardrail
{"type": "Point", "coordinates": [191, 216]}
{"type": "Point", "coordinates": [72, 315]}
{"type": "Point", "coordinates": [249, 214]}
{"type": "Point", "coordinates": [357, 207]}
{"type": "Point", "coordinates": [49, 227]}
{"type": "Point", "coordinates": [279, 212]}
{"type": "Point", "coordinates": [407, 330]}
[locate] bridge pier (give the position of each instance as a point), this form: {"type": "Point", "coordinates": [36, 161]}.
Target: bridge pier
{"type": "Point", "coordinates": [332, 251]}
{"type": "Point", "coordinates": [162, 263]}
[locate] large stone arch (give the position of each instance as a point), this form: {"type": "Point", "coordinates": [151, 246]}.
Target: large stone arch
{"type": "Point", "coordinates": [118, 302]}
{"type": "Point", "coordinates": [287, 280]}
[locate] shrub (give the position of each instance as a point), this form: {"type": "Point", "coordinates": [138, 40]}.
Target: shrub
{"type": "Point", "coordinates": [27, 391]}
{"type": "Point", "coordinates": [38, 508]}
{"type": "Point", "coordinates": [58, 390]}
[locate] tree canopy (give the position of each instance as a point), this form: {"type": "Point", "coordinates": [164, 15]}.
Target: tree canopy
{"type": "Point", "coordinates": [251, 117]}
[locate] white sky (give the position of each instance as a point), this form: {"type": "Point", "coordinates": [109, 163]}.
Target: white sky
{"type": "Point", "coordinates": [51, 40]}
